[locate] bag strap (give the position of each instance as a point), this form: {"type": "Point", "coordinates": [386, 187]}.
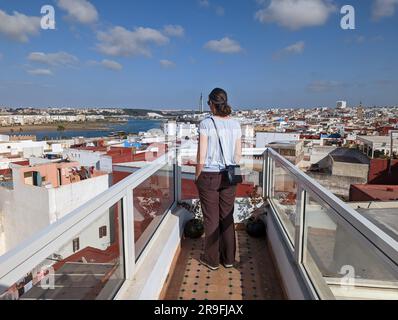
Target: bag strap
{"type": "Point", "coordinates": [219, 141]}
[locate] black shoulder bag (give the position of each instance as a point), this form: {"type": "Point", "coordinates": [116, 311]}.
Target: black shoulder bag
{"type": "Point", "coordinates": [233, 172]}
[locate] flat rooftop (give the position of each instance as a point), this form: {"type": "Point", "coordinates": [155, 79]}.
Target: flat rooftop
{"type": "Point", "coordinates": [386, 219]}
{"type": "Point", "coordinates": [377, 139]}
{"type": "Point", "coordinates": [283, 144]}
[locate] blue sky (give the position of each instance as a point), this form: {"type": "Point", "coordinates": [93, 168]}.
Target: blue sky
{"type": "Point", "coordinates": [163, 54]}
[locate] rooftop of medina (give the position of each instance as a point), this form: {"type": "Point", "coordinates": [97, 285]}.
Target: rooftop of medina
{"type": "Point", "coordinates": [128, 241]}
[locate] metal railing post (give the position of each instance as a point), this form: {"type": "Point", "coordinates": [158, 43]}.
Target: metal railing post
{"type": "Point", "coordinates": [265, 175]}
{"type": "Point", "coordinates": [270, 174]}
{"type": "Point", "coordinates": [299, 221]}
{"type": "Point", "coordinates": [177, 177]}
{"type": "Point", "coordinates": [128, 233]}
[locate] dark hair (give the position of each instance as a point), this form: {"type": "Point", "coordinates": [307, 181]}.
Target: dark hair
{"type": "Point", "coordinates": [219, 98]}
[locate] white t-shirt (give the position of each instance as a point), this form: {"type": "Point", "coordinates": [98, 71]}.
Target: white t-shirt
{"type": "Point", "coordinates": [229, 131]}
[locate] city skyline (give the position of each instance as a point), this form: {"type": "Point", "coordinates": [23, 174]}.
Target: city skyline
{"type": "Point", "coordinates": [134, 56]}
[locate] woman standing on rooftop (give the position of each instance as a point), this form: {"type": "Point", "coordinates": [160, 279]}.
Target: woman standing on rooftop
{"type": "Point", "coordinates": [219, 146]}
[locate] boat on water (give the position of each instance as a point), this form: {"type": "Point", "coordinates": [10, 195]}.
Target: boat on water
{"type": "Point", "coordinates": [115, 134]}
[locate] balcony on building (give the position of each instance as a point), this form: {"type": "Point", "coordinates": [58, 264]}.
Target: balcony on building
{"type": "Point", "coordinates": [127, 243]}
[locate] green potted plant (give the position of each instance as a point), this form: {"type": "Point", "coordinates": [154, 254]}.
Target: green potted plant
{"type": "Point", "coordinates": [194, 228]}
{"type": "Point", "coordinates": [251, 210]}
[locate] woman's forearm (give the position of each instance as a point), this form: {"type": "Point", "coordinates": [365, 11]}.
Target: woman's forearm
{"type": "Point", "coordinates": [199, 168]}
{"type": "Point", "coordinates": [238, 151]}
{"type": "Point", "coordinates": [201, 155]}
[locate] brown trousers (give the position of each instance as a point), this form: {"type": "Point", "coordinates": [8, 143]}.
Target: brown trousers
{"type": "Point", "coordinates": [217, 199]}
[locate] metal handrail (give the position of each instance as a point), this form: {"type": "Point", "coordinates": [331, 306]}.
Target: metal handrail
{"type": "Point", "coordinates": [26, 256]}
{"type": "Point", "coordinates": [385, 243]}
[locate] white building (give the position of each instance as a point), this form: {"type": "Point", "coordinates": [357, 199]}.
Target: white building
{"type": "Point", "coordinates": [341, 104]}
{"type": "Point", "coordinates": [248, 131]}
{"type": "Point", "coordinates": [27, 208]}
{"type": "Point", "coordinates": [87, 158]}
{"type": "Point", "coordinates": [4, 138]}
{"type": "Point", "coordinates": [186, 130]}
{"type": "Point", "coordinates": [31, 148]}
{"type": "Point", "coordinates": [170, 128]}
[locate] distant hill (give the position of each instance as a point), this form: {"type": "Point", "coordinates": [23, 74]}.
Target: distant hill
{"type": "Point", "coordinates": [145, 112]}
{"type": "Point", "coordinates": [137, 112]}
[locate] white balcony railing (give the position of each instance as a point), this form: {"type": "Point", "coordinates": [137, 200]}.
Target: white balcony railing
{"type": "Point", "coordinates": [338, 252]}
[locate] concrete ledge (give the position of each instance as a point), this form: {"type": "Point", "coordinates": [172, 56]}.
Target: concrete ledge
{"type": "Point", "coordinates": [293, 284]}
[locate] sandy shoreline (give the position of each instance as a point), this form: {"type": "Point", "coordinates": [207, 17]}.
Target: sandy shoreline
{"type": "Point", "coordinates": [95, 126]}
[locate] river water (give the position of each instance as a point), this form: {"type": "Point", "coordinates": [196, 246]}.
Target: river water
{"type": "Point", "coordinates": [132, 126]}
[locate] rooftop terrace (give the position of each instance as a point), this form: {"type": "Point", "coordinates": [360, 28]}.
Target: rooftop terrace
{"type": "Point", "coordinates": [127, 243]}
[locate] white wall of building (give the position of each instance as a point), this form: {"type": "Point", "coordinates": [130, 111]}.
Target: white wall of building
{"type": "Point", "coordinates": [19, 146]}
{"type": "Point", "coordinates": [248, 131]}
{"type": "Point", "coordinates": [5, 162]}
{"type": "Point", "coordinates": [341, 104]}
{"type": "Point", "coordinates": [4, 138]}
{"type": "Point", "coordinates": [56, 148]}
{"type": "Point", "coordinates": [28, 209]}
{"type": "Point", "coordinates": [90, 237]}
{"type": "Point", "coordinates": [66, 198]}
{"type": "Point", "coordinates": [87, 158]}
{"type": "Point", "coordinates": [170, 128]}
{"type": "Point", "coordinates": [158, 139]}
{"type": "Point", "coordinates": [24, 213]}
{"type": "Point", "coordinates": [33, 152]}
{"type": "Point", "coordinates": [186, 130]}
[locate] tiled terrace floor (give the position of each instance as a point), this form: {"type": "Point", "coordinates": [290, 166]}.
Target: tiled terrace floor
{"type": "Point", "coordinates": [253, 278]}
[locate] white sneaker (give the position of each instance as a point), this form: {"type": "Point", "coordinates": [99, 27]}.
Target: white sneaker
{"type": "Point", "coordinates": [201, 260]}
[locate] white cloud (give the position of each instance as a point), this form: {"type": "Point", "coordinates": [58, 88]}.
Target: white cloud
{"type": "Point", "coordinates": [225, 45]}
{"type": "Point", "coordinates": [53, 59]}
{"type": "Point", "coordinates": [18, 26]}
{"type": "Point", "coordinates": [204, 3]}
{"type": "Point", "coordinates": [324, 85]}
{"type": "Point", "coordinates": [119, 41]}
{"type": "Point", "coordinates": [174, 31]}
{"type": "Point", "coordinates": [167, 64]}
{"type": "Point", "coordinates": [296, 14]}
{"type": "Point", "coordinates": [383, 8]}
{"type": "Point", "coordinates": [111, 65]}
{"type": "Point", "coordinates": [81, 11]}
{"type": "Point", "coordinates": [40, 72]}
{"type": "Point", "coordinates": [360, 39]}
{"type": "Point", "coordinates": [295, 48]}
{"type": "Point", "coordinates": [220, 11]}
{"type": "Point", "coordinates": [108, 64]}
